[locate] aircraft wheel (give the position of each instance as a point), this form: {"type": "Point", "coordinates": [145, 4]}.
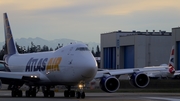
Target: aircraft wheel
{"type": "Point", "coordinates": [19, 93]}
{"type": "Point", "coordinates": [83, 95]}
{"type": "Point", "coordinates": [45, 93]}
{"type": "Point", "coordinates": [78, 94]}
{"type": "Point", "coordinates": [33, 94]}
{"type": "Point", "coordinates": [72, 93]}
{"type": "Point", "coordinates": [13, 93]}
{"type": "Point", "coordinates": [51, 93]}
{"type": "Point", "coordinates": [27, 93]}
{"type": "Point", "coordinates": [66, 93]}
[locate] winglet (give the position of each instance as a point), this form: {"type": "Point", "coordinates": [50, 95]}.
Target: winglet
{"type": "Point", "coordinates": [9, 41]}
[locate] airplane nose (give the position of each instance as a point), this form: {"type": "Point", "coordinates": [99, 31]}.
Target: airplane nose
{"type": "Point", "coordinates": [88, 66]}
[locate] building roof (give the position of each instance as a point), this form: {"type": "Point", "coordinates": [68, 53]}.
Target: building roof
{"type": "Point", "coordinates": [129, 33]}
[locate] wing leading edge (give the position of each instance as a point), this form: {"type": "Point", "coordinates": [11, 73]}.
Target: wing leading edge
{"type": "Point", "coordinates": [119, 72]}
{"type": "Point", "coordinates": [24, 76]}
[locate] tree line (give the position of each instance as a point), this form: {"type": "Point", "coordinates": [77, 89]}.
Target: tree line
{"type": "Point", "coordinates": [37, 48]}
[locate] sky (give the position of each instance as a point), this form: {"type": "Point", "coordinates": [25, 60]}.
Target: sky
{"type": "Point", "coordinates": [86, 20]}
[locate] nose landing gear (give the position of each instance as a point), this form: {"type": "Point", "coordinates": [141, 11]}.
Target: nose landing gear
{"type": "Point", "coordinates": [78, 94]}
{"type": "Point", "coordinates": [81, 93]}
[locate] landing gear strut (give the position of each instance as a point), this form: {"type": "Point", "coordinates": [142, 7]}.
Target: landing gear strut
{"type": "Point", "coordinates": [69, 92]}
{"type": "Point", "coordinates": [81, 93]}
{"type": "Point", "coordinates": [78, 94]}
{"type": "Point", "coordinates": [47, 92]}
{"type": "Point", "coordinates": [16, 92]}
{"type": "Point", "coordinates": [32, 92]}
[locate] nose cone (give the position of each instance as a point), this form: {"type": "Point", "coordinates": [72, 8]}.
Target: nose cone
{"type": "Point", "coordinates": [90, 68]}
{"type": "Point", "coordinates": [87, 67]}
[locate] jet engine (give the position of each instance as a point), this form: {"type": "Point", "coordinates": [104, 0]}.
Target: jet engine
{"type": "Point", "coordinates": [109, 84]}
{"type": "Point", "coordinates": [139, 80]}
{"type": "Point", "coordinates": [0, 84]}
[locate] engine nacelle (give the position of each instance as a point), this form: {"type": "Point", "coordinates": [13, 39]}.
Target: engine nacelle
{"type": "Point", "coordinates": [0, 84]}
{"type": "Point", "coordinates": [140, 80]}
{"type": "Point", "coordinates": [109, 84]}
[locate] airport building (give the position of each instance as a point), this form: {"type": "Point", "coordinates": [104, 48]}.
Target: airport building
{"type": "Point", "coordinates": [176, 42]}
{"type": "Point", "coordinates": [122, 49]}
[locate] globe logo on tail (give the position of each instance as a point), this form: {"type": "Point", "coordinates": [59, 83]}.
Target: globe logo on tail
{"type": "Point", "coordinates": [171, 62]}
{"type": "Point", "coordinates": [171, 69]}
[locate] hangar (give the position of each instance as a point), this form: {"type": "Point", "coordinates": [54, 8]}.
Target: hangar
{"type": "Point", "coordinates": [176, 42]}
{"type": "Point", "coordinates": [135, 49]}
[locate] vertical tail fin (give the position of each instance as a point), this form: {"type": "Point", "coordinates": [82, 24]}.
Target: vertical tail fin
{"type": "Point", "coordinates": [171, 61]}
{"type": "Point", "coordinates": [9, 41]}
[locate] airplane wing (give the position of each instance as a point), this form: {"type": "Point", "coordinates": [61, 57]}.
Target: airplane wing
{"type": "Point", "coordinates": [119, 72]}
{"type": "Point", "coordinates": [25, 76]}
{"type": "Point", "coordinates": [139, 77]}
{"type": "Point", "coordinates": [176, 74]}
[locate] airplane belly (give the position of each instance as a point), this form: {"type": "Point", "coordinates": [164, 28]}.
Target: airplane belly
{"type": "Point", "coordinates": [52, 76]}
{"type": "Point", "coordinates": [66, 75]}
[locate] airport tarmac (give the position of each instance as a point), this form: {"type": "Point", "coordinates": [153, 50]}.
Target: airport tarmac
{"type": "Point", "coordinates": [6, 96]}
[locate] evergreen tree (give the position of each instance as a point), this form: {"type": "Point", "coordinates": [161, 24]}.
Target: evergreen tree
{"type": "Point", "coordinates": [50, 49]}
{"type": "Point", "coordinates": [59, 46]}
{"type": "Point", "coordinates": [45, 48]}
{"type": "Point", "coordinates": [28, 50]}
{"type": "Point", "coordinates": [38, 49]}
{"type": "Point", "coordinates": [33, 48]}
{"type": "Point", "coordinates": [5, 48]}
{"type": "Point", "coordinates": [19, 49]}
{"type": "Point", "coordinates": [97, 51]}
{"type": "Point", "coordinates": [92, 51]}
{"type": "Point", "coordinates": [2, 53]}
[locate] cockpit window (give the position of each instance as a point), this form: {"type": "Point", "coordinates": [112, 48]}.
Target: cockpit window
{"type": "Point", "coordinates": [82, 49]}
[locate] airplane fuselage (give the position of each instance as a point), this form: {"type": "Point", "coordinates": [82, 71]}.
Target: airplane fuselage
{"type": "Point", "coordinates": [70, 64]}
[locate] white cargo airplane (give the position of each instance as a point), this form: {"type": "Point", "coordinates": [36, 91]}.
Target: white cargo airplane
{"type": "Point", "coordinates": [70, 65]}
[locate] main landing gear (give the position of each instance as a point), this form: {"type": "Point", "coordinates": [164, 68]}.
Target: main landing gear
{"type": "Point", "coordinates": [47, 92]}
{"type": "Point", "coordinates": [78, 94]}
{"type": "Point", "coordinates": [15, 92]}
{"type": "Point", "coordinates": [32, 91]}
{"type": "Point", "coordinates": [69, 92]}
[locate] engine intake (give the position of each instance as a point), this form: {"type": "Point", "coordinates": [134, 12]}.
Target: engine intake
{"type": "Point", "coordinates": [140, 80]}
{"type": "Point", "coordinates": [109, 84]}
